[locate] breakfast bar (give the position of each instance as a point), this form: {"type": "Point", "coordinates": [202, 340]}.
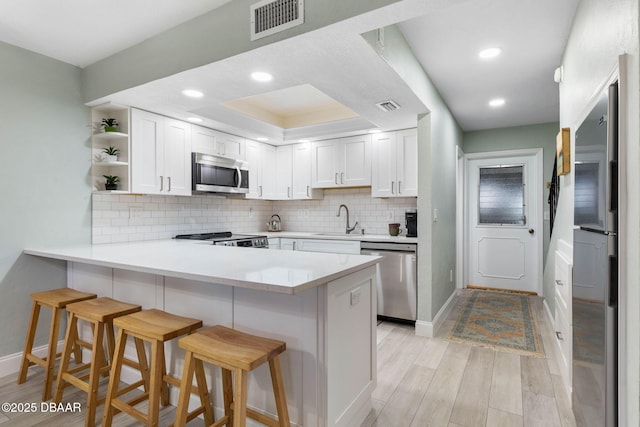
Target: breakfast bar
{"type": "Point", "coordinates": [322, 305]}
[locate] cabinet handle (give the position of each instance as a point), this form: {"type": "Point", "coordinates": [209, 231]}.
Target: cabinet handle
{"type": "Point", "coordinates": [559, 336]}
{"type": "Point", "coordinates": [294, 245]}
{"type": "Point", "coordinates": [288, 192]}
{"type": "Point", "coordinates": [308, 191]}
{"type": "Point", "coordinates": [392, 188]}
{"type": "Point", "coordinates": [169, 181]}
{"type": "Point", "coordinates": [559, 282]}
{"type": "Point", "coordinates": [224, 149]}
{"type": "Point", "coordinates": [341, 177]}
{"type": "Point", "coordinates": [260, 186]}
{"type": "Point", "coordinates": [399, 184]}
{"type": "Point", "coordinates": [161, 183]}
{"type": "Point", "coordinates": [336, 180]}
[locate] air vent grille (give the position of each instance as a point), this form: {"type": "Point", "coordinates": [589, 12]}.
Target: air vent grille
{"type": "Point", "coordinates": [388, 105]}
{"type": "Point", "coordinates": [270, 17]}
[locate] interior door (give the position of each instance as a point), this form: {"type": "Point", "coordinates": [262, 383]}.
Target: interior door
{"type": "Point", "coordinates": [505, 232]}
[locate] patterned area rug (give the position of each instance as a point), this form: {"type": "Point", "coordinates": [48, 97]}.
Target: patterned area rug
{"type": "Point", "coordinates": [499, 320]}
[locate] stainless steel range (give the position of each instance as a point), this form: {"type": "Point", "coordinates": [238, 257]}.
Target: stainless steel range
{"type": "Point", "coordinates": [226, 238]}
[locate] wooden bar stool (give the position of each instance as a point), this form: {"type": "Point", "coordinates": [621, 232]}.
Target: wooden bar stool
{"type": "Point", "coordinates": [100, 313]}
{"type": "Point", "coordinates": [56, 300]}
{"type": "Point", "coordinates": [156, 327]}
{"type": "Point", "coordinates": [239, 353]}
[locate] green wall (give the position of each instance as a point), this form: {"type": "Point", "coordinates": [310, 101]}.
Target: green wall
{"type": "Point", "coordinates": [45, 194]}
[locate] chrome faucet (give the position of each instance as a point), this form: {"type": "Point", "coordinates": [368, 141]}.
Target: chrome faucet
{"type": "Point", "coordinates": [348, 229]}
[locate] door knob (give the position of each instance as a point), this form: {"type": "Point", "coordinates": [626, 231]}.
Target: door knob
{"type": "Point", "coordinates": [531, 231]}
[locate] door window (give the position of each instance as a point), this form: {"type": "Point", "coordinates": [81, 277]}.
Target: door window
{"type": "Point", "coordinates": [501, 195]}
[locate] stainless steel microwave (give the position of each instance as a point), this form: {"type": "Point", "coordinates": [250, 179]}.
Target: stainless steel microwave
{"type": "Point", "coordinates": [217, 174]}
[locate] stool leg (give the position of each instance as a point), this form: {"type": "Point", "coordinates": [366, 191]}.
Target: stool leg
{"type": "Point", "coordinates": [157, 358]}
{"type": "Point", "coordinates": [203, 392]}
{"type": "Point", "coordinates": [278, 391]}
{"type": "Point", "coordinates": [77, 348]}
{"type": "Point", "coordinates": [28, 344]}
{"type": "Point", "coordinates": [114, 379]}
{"type": "Point", "coordinates": [164, 386]}
{"type": "Point", "coordinates": [51, 353]}
{"type": "Point", "coordinates": [227, 394]}
{"type": "Point", "coordinates": [66, 355]}
{"type": "Point", "coordinates": [185, 388]}
{"type": "Point", "coordinates": [239, 398]}
{"type": "Point", "coordinates": [97, 362]}
{"type": "Point", "coordinates": [142, 363]}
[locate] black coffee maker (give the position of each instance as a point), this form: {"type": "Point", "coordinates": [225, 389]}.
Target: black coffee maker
{"type": "Point", "coordinates": [411, 222]}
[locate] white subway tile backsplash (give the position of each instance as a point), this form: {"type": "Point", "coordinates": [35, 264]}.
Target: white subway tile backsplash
{"type": "Point", "coordinates": [121, 218]}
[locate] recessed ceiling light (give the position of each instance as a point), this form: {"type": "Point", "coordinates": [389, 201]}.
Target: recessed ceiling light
{"type": "Point", "coordinates": [489, 53]}
{"type": "Point", "coordinates": [262, 138]}
{"type": "Point", "coordinates": [261, 76]}
{"type": "Point", "coordinates": [498, 102]}
{"type": "Point", "coordinates": [375, 131]}
{"type": "Point", "coordinates": [194, 119]}
{"type": "Point", "coordinates": [192, 93]}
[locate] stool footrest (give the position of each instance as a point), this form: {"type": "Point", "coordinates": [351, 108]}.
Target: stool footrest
{"type": "Point", "coordinates": [264, 419]}
{"type": "Point", "coordinates": [129, 409]}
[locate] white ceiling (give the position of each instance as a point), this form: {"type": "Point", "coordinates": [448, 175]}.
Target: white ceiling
{"type": "Point", "coordinates": [335, 60]}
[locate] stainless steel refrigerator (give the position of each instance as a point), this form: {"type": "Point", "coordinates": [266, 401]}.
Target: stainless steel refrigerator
{"type": "Point", "coordinates": [595, 266]}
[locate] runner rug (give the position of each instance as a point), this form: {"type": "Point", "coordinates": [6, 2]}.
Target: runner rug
{"type": "Point", "coordinates": [499, 320]}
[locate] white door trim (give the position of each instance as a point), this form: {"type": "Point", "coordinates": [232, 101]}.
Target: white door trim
{"type": "Point", "coordinates": [538, 206]}
{"type": "Point", "coordinates": [461, 167]}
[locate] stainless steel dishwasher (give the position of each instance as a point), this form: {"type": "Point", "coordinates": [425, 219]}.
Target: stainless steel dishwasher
{"type": "Point", "coordinates": [397, 278]}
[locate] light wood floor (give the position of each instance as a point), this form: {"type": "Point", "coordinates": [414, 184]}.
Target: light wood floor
{"type": "Point", "coordinates": [433, 382]}
{"type": "Point", "coordinates": [421, 382]}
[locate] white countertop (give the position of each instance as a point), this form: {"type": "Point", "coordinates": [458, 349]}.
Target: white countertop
{"type": "Point", "coordinates": [337, 236]}
{"type": "Point", "coordinates": [287, 272]}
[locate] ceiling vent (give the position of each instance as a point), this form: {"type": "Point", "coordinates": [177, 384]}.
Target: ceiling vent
{"type": "Point", "coordinates": [270, 17]}
{"type": "Point", "coordinates": [388, 105]}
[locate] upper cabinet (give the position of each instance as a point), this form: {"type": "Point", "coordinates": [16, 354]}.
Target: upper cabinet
{"type": "Point", "coordinates": [161, 154]}
{"type": "Point", "coordinates": [262, 168]}
{"type": "Point", "coordinates": [301, 175]}
{"type": "Point", "coordinates": [394, 170]}
{"type": "Point", "coordinates": [209, 141]}
{"type": "Point", "coordinates": [343, 162]}
{"type": "Point", "coordinates": [112, 141]}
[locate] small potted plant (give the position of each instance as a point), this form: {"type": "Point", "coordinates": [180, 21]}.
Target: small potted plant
{"type": "Point", "coordinates": [110, 124]}
{"type": "Point", "coordinates": [111, 182]}
{"type": "Point", "coordinates": [111, 154]}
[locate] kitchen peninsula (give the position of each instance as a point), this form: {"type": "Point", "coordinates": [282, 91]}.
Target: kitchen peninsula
{"type": "Point", "coordinates": [323, 306]}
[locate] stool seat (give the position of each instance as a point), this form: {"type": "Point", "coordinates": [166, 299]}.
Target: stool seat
{"type": "Point", "coordinates": [236, 353]}
{"type": "Point", "coordinates": [232, 349]}
{"type": "Point", "coordinates": [56, 300]}
{"type": "Point", "coordinates": [156, 327]}
{"type": "Point", "coordinates": [99, 312]}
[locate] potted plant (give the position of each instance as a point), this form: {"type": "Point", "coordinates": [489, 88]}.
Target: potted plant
{"type": "Point", "coordinates": [111, 182]}
{"type": "Point", "coordinates": [110, 124]}
{"type": "Point", "coordinates": [111, 154]}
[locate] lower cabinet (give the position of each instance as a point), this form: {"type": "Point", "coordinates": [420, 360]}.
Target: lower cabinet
{"type": "Point", "coordinates": [564, 333]}
{"type": "Point", "coordinates": [317, 245]}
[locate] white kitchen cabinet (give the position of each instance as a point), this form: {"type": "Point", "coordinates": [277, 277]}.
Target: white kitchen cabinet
{"type": "Point", "coordinates": [343, 162]}
{"type": "Point", "coordinates": [301, 185]}
{"type": "Point", "coordinates": [321, 245]}
{"type": "Point", "coordinates": [563, 316]}
{"type": "Point", "coordinates": [160, 154]}
{"type": "Point", "coordinates": [287, 244]}
{"type": "Point", "coordinates": [209, 141]}
{"type": "Point", "coordinates": [119, 140]}
{"type": "Point", "coordinates": [262, 171]}
{"type": "Point", "coordinates": [283, 173]}
{"type": "Point", "coordinates": [394, 170]}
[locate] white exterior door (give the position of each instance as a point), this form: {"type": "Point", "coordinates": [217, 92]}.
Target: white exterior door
{"type": "Point", "coordinates": [504, 222]}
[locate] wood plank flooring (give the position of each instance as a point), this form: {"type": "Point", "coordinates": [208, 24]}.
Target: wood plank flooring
{"type": "Point", "coordinates": [421, 382]}
{"type": "Point", "coordinates": [434, 382]}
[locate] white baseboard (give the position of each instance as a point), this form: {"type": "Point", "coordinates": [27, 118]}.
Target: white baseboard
{"type": "Point", "coordinates": [10, 364]}
{"type": "Point", "coordinates": [429, 329]}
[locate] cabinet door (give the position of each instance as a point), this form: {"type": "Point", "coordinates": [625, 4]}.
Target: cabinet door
{"type": "Point", "coordinates": [355, 161]}
{"type": "Point", "coordinates": [253, 158]}
{"type": "Point", "coordinates": [147, 152]}
{"type": "Point", "coordinates": [268, 172]}
{"type": "Point", "coordinates": [407, 163]}
{"type": "Point", "coordinates": [287, 244]}
{"type": "Point", "coordinates": [283, 176]}
{"type": "Point", "coordinates": [230, 146]}
{"type": "Point", "coordinates": [203, 140]}
{"type": "Point", "coordinates": [323, 164]}
{"type": "Point", "coordinates": [383, 165]}
{"type": "Point", "coordinates": [177, 158]}
{"type": "Point", "coordinates": [301, 173]}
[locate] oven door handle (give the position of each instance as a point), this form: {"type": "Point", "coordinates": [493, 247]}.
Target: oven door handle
{"type": "Point", "coordinates": [239, 176]}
